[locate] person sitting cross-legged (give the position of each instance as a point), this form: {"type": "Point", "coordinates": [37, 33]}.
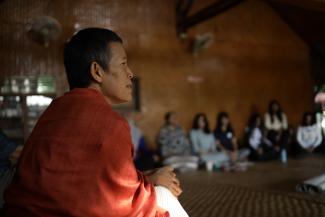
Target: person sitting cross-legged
{"type": "Point", "coordinates": [309, 136]}
{"type": "Point", "coordinates": [261, 149]}
{"type": "Point", "coordinates": [204, 143]}
{"type": "Point", "coordinates": [226, 139]}
{"type": "Point", "coordinates": [174, 146]}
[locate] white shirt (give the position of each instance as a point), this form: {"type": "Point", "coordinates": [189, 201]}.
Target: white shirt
{"type": "Point", "coordinates": [276, 124]}
{"type": "Point", "coordinates": [309, 136]}
{"type": "Point", "coordinates": [255, 138]}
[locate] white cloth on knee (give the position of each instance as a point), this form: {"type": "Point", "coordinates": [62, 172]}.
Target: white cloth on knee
{"type": "Point", "coordinates": [167, 201]}
{"type": "Point", "coordinates": [216, 157]}
{"type": "Point", "coordinates": [177, 162]}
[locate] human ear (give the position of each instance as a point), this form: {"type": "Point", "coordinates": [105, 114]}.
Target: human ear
{"type": "Point", "coordinates": [96, 72]}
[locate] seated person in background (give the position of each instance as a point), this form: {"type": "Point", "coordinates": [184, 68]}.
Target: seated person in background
{"type": "Point", "coordinates": [226, 139]}
{"type": "Point", "coordinates": [277, 126]}
{"type": "Point", "coordinates": [144, 158]}
{"type": "Point", "coordinates": [174, 147]}
{"type": "Point", "coordinates": [309, 135]}
{"type": "Point", "coordinates": [78, 159]}
{"type": "Point", "coordinates": [260, 147]}
{"type": "Point", "coordinates": [9, 154]}
{"type": "Point", "coordinates": [203, 141]}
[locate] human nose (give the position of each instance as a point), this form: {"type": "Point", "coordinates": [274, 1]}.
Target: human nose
{"type": "Point", "coordinates": [130, 73]}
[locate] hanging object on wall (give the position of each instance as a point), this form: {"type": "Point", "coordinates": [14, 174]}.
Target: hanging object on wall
{"type": "Point", "coordinates": [200, 42]}
{"type": "Point", "coordinates": [195, 79]}
{"type": "Point", "coordinates": [43, 30]}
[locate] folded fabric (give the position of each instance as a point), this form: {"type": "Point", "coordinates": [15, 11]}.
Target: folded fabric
{"type": "Point", "coordinates": [167, 201]}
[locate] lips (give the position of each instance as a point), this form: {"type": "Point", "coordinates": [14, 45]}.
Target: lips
{"type": "Point", "coordinates": [129, 86]}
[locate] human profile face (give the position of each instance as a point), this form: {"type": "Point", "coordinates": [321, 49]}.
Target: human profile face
{"type": "Point", "coordinates": [117, 80]}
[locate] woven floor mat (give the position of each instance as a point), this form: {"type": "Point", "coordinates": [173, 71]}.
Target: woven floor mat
{"type": "Point", "coordinates": [222, 200]}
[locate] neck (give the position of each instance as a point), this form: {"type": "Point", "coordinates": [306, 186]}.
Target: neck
{"type": "Point", "coordinates": [97, 87]}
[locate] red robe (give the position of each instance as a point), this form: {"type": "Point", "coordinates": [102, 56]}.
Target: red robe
{"type": "Point", "coordinates": [78, 163]}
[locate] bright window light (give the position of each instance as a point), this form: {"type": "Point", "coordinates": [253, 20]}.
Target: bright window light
{"type": "Point", "coordinates": [38, 100]}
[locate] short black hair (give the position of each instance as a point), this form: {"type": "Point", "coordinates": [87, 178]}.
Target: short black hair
{"type": "Point", "coordinates": [87, 46]}
{"type": "Point", "coordinates": [167, 116]}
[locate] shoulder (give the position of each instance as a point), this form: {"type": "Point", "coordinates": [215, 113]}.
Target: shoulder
{"type": "Point", "coordinates": [163, 128]}
{"type": "Point", "coordinates": [218, 132]}
{"type": "Point", "coordinates": [210, 135]}
{"type": "Point", "coordinates": [114, 119]}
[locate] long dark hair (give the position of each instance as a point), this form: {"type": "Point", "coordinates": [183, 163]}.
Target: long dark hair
{"type": "Point", "coordinates": [278, 113]}
{"type": "Point", "coordinates": [252, 123]}
{"type": "Point", "coordinates": [252, 120]}
{"type": "Point", "coordinates": [304, 118]}
{"type": "Point", "coordinates": [195, 124]}
{"type": "Point", "coordinates": [220, 116]}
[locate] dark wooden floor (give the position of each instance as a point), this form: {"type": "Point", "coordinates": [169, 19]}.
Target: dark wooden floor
{"type": "Point", "coordinates": [270, 185]}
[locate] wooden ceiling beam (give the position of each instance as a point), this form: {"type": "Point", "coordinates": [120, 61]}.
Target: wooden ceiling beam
{"type": "Point", "coordinates": [184, 22]}
{"type": "Point", "coordinates": [316, 5]}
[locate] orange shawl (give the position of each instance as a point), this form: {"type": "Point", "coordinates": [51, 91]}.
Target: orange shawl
{"type": "Point", "coordinates": [78, 163]}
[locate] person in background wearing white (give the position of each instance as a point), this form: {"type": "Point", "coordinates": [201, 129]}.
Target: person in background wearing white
{"type": "Point", "coordinates": [309, 134]}
{"type": "Point", "coordinates": [203, 141]}
{"type": "Point", "coordinates": [261, 148]}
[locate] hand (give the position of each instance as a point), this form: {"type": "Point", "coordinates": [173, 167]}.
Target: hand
{"type": "Point", "coordinates": [166, 177]}
{"type": "Point", "coordinates": [277, 148]}
{"type": "Point", "coordinates": [260, 151]}
{"type": "Point", "coordinates": [310, 150]}
{"type": "Point", "coordinates": [233, 156]}
{"type": "Point", "coordinates": [277, 138]}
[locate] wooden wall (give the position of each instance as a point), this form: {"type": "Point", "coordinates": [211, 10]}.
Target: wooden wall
{"type": "Point", "coordinates": [255, 56]}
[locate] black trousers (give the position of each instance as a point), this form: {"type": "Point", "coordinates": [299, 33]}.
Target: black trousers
{"type": "Point", "coordinates": [269, 153]}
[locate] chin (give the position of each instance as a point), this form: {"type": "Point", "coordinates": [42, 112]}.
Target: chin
{"type": "Point", "coordinates": [124, 100]}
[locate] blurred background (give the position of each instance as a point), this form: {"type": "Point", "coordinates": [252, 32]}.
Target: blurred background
{"type": "Point", "coordinates": [188, 56]}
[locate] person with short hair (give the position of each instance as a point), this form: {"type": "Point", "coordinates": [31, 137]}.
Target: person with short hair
{"type": "Point", "coordinates": [78, 160]}
{"type": "Point", "coordinates": [174, 146]}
